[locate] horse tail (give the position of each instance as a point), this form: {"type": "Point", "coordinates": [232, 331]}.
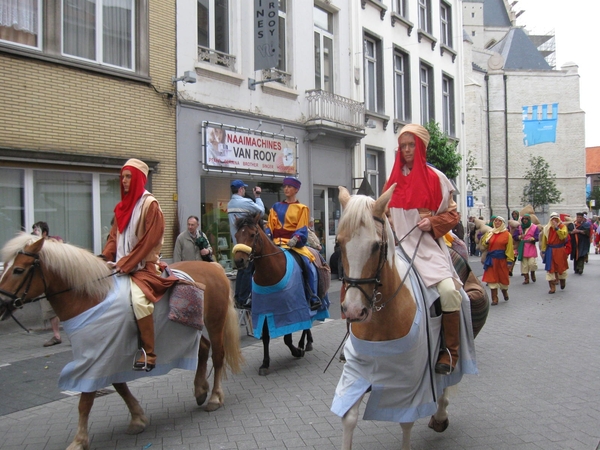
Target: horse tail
{"type": "Point", "coordinates": [231, 339]}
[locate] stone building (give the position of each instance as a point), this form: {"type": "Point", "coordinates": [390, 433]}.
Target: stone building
{"type": "Point", "coordinates": [507, 74]}
{"type": "Point", "coordinates": [83, 90]}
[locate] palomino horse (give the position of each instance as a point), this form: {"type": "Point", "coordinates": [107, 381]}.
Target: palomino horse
{"type": "Point", "coordinates": [76, 283]}
{"type": "Point", "coordinates": [276, 274]}
{"type": "Point", "coordinates": [395, 326]}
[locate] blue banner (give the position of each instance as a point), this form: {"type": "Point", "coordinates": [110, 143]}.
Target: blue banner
{"type": "Point", "coordinates": [538, 130]}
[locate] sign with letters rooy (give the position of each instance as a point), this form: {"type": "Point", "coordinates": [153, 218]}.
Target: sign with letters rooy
{"type": "Point", "coordinates": [266, 34]}
{"type": "Point", "coordinates": [242, 150]}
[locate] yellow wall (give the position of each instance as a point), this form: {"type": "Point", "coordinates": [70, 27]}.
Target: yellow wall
{"type": "Point", "coordinates": [52, 107]}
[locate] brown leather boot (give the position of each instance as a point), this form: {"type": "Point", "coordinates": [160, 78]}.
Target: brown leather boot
{"type": "Point", "coordinates": [563, 283]}
{"type": "Point", "coordinates": [526, 276]}
{"type": "Point", "coordinates": [533, 276]}
{"type": "Point", "coordinates": [552, 287]}
{"type": "Point", "coordinates": [505, 294]}
{"type": "Point", "coordinates": [146, 326]}
{"type": "Point", "coordinates": [494, 296]}
{"type": "Point", "coordinates": [449, 355]}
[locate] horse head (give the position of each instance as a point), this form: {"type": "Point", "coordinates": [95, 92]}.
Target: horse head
{"type": "Point", "coordinates": [367, 251]}
{"type": "Point", "coordinates": [248, 239]}
{"type": "Point", "coordinates": [23, 278]}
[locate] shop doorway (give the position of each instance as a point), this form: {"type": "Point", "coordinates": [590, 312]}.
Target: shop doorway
{"type": "Point", "coordinates": [326, 212]}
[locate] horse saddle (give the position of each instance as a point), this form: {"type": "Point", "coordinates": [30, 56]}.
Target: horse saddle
{"type": "Point", "coordinates": [186, 300]}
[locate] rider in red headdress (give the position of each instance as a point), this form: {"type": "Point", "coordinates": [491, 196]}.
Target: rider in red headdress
{"type": "Point", "coordinates": [134, 245]}
{"type": "Point", "coordinates": [423, 198]}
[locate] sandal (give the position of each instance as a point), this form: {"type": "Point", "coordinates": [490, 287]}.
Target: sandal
{"type": "Point", "coordinates": [53, 341]}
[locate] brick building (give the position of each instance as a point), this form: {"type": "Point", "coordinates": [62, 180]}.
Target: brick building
{"type": "Point", "coordinates": [82, 90]}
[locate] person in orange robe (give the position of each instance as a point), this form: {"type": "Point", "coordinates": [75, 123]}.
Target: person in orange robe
{"type": "Point", "coordinates": [133, 248]}
{"type": "Point", "coordinates": [500, 257]}
{"type": "Point", "coordinates": [554, 239]}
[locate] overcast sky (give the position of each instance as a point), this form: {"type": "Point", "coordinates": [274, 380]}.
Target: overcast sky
{"type": "Point", "coordinates": [576, 26]}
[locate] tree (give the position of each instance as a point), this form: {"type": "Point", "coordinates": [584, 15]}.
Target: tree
{"type": "Point", "coordinates": [594, 195]}
{"type": "Point", "coordinates": [441, 151]}
{"type": "Point", "coordinates": [541, 189]}
{"type": "Point", "coordinates": [474, 181]}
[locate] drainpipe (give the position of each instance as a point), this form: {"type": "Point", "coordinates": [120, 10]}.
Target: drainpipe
{"type": "Point", "coordinates": [489, 139]}
{"type": "Point", "coordinates": [506, 145]}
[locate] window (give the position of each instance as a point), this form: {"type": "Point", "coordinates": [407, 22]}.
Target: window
{"type": "Point", "coordinates": [448, 118]}
{"type": "Point", "coordinates": [375, 163]}
{"type": "Point", "coordinates": [425, 15]}
{"type": "Point", "coordinates": [77, 205]}
{"type": "Point", "coordinates": [100, 32]}
{"type": "Point", "coordinates": [373, 61]}
{"type": "Point", "coordinates": [282, 35]}
{"type": "Point", "coordinates": [323, 32]}
{"type": "Point", "coordinates": [402, 85]}
{"type": "Point", "coordinates": [20, 21]}
{"type": "Point", "coordinates": [401, 8]}
{"type": "Point", "coordinates": [446, 24]}
{"type": "Point", "coordinates": [427, 98]}
{"type": "Point", "coordinates": [213, 25]}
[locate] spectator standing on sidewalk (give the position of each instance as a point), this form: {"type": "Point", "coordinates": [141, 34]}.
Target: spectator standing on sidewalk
{"type": "Point", "coordinates": [42, 229]}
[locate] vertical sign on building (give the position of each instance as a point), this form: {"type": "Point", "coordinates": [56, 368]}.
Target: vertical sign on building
{"type": "Point", "coordinates": [266, 34]}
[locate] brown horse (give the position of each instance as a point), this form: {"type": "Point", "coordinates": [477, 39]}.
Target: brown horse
{"type": "Point", "coordinates": [395, 328]}
{"type": "Point", "coordinates": [74, 281]}
{"type": "Point", "coordinates": [271, 265]}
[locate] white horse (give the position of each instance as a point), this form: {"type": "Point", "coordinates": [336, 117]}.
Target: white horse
{"type": "Point", "coordinates": [395, 328]}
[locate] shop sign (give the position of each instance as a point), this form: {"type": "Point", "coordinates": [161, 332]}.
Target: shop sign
{"type": "Point", "coordinates": [248, 151]}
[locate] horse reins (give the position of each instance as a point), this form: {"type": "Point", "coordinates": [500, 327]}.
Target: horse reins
{"type": "Point", "coordinates": [375, 297]}
{"type": "Point", "coordinates": [252, 256]}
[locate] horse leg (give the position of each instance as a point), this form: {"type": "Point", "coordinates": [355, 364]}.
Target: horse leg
{"type": "Point", "coordinates": [439, 421]}
{"type": "Point", "coordinates": [302, 339]}
{"type": "Point", "coordinates": [217, 396]}
{"type": "Point", "coordinates": [266, 338]}
{"type": "Point", "coordinates": [406, 429]}
{"type": "Point", "coordinates": [200, 382]}
{"type": "Point", "coordinates": [296, 352]}
{"type": "Point", "coordinates": [349, 422]}
{"type": "Point", "coordinates": [82, 439]}
{"type": "Point", "coordinates": [309, 340]}
{"type": "Point", "coordinates": [139, 421]}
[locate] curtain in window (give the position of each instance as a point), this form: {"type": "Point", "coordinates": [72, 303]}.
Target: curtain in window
{"type": "Point", "coordinates": [110, 195]}
{"type": "Point", "coordinates": [11, 204]}
{"type": "Point", "coordinates": [64, 201]}
{"type": "Point", "coordinates": [117, 32]}
{"type": "Point", "coordinates": [79, 28]}
{"type": "Point", "coordinates": [19, 21]}
{"type": "Point", "coordinates": [222, 26]}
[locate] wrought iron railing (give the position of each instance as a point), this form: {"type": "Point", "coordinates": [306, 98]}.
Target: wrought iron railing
{"type": "Point", "coordinates": [335, 108]}
{"type": "Point", "coordinates": [286, 78]}
{"type": "Point", "coordinates": [216, 57]}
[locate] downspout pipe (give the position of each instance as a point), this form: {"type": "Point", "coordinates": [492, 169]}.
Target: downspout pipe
{"type": "Point", "coordinates": [506, 144]}
{"type": "Point", "coordinates": [489, 153]}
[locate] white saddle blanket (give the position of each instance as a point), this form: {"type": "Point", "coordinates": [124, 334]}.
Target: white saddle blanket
{"type": "Point", "coordinates": [104, 341]}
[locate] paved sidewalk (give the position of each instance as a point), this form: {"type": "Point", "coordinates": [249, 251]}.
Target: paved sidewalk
{"type": "Point", "coordinates": [538, 388]}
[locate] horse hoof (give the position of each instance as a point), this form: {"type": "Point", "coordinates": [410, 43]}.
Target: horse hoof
{"type": "Point", "coordinates": [212, 406]}
{"type": "Point", "coordinates": [309, 347]}
{"type": "Point", "coordinates": [137, 426]}
{"type": "Point", "coordinates": [263, 371]}
{"type": "Point", "coordinates": [299, 354]}
{"type": "Point", "coordinates": [439, 426]}
{"type": "Point", "coordinates": [201, 399]}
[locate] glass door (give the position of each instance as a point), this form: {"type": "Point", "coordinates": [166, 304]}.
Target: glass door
{"type": "Point", "coordinates": [326, 212]}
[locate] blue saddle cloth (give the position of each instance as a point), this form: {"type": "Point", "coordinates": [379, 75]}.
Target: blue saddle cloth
{"type": "Point", "coordinates": [284, 305]}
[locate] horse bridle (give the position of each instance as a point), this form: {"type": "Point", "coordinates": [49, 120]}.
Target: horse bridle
{"type": "Point", "coordinates": [252, 256]}
{"type": "Point", "coordinates": [17, 302]}
{"type": "Point", "coordinates": [376, 296]}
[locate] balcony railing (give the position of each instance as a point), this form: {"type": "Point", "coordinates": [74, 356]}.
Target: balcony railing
{"type": "Point", "coordinates": [286, 78]}
{"type": "Point", "coordinates": [216, 57]}
{"type": "Point", "coordinates": [323, 105]}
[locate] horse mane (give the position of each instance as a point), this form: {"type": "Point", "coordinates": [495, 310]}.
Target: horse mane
{"type": "Point", "coordinates": [248, 219]}
{"type": "Point", "coordinates": [358, 213]}
{"type": "Point", "coordinates": [84, 272]}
